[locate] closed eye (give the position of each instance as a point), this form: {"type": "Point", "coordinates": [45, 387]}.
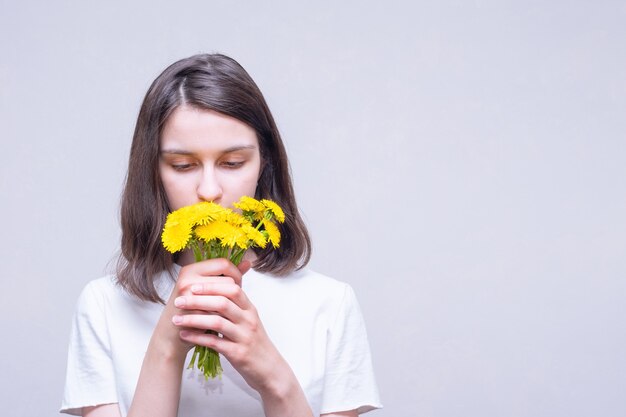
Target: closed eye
{"type": "Point", "coordinates": [182, 167]}
{"type": "Point", "coordinates": [232, 164]}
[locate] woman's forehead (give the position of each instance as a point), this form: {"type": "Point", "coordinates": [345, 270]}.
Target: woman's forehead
{"type": "Point", "coordinates": [190, 128]}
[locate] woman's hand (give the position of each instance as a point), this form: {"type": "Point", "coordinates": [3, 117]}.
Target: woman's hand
{"type": "Point", "coordinates": [158, 390]}
{"type": "Point", "coordinates": [167, 332]}
{"type": "Point", "coordinates": [208, 295]}
{"type": "Point", "coordinates": [219, 303]}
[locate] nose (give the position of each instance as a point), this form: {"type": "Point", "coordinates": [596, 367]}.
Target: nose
{"type": "Point", "coordinates": [209, 187]}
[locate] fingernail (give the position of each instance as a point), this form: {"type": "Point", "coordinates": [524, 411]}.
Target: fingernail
{"type": "Point", "coordinates": [196, 288]}
{"type": "Point", "coordinates": [179, 301]}
{"type": "Point", "coordinates": [177, 319]}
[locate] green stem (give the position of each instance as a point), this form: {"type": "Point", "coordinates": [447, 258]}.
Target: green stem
{"type": "Point", "coordinates": [197, 253]}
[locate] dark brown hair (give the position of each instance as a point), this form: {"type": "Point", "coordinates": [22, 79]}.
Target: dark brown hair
{"type": "Point", "coordinates": [213, 82]}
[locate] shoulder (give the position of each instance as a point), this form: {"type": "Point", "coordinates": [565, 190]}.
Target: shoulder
{"type": "Point", "coordinates": [105, 307]}
{"type": "Point", "coordinates": [96, 292]}
{"type": "Point", "coordinates": [108, 290]}
{"type": "Point", "coordinates": [103, 285]}
{"type": "Point", "coordinates": [103, 294]}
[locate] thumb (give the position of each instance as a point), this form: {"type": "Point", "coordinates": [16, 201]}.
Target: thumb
{"type": "Point", "coordinates": [244, 266]}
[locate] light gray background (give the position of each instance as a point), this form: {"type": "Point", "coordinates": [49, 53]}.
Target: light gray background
{"type": "Point", "coordinates": [462, 164]}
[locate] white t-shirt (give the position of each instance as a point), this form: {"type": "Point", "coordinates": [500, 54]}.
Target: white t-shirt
{"type": "Point", "coordinates": [313, 320]}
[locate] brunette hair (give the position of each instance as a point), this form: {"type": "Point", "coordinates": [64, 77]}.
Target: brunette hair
{"type": "Point", "coordinates": [213, 82]}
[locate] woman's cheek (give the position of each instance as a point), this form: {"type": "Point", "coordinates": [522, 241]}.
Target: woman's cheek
{"type": "Point", "coordinates": [180, 192]}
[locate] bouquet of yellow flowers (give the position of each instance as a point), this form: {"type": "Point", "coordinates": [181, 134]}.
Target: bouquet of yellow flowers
{"type": "Point", "coordinates": [212, 231]}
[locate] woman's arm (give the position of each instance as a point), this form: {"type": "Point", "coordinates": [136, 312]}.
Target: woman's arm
{"type": "Point", "coordinates": [112, 410]}
{"type": "Point", "coordinates": [244, 342]}
{"type": "Point", "coordinates": [105, 410]}
{"type": "Point", "coordinates": [157, 393]}
{"type": "Point", "coordinates": [217, 303]}
{"type": "Point", "coordinates": [158, 389]}
{"type": "Point", "coordinates": [208, 295]}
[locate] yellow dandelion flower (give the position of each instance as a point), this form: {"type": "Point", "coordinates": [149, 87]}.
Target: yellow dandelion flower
{"type": "Point", "coordinates": [273, 234]}
{"type": "Point", "coordinates": [233, 218]}
{"type": "Point", "coordinates": [176, 233]}
{"type": "Point", "coordinates": [235, 236]}
{"type": "Point", "coordinates": [249, 204]}
{"type": "Point", "coordinates": [274, 209]}
{"type": "Point", "coordinates": [183, 214]}
{"type": "Point", "coordinates": [254, 235]}
{"type": "Point", "coordinates": [209, 231]}
{"type": "Point", "coordinates": [204, 212]}
{"type": "Point", "coordinates": [242, 239]}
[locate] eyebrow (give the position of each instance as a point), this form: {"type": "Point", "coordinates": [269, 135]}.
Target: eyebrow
{"type": "Point", "coordinates": [186, 152]}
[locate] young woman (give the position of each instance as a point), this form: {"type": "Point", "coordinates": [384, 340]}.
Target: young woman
{"type": "Point", "coordinates": [293, 341]}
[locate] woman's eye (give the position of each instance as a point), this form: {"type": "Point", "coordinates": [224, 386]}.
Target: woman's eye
{"type": "Point", "coordinates": [232, 164]}
{"type": "Point", "coordinates": [182, 167]}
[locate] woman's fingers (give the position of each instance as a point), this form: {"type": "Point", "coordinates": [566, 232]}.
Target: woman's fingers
{"type": "Point", "coordinates": [200, 322]}
{"type": "Point", "coordinates": [209, 297]}
{"type": "Point", "coordinates": [226, 289]}
{"type": "Point", "coordinates": [219, 304]}
{"type": "Point", "coordinates": [220, 344]}
{"type": "Point", "coordinates": [215, 267]}
{"type": "Point", "coordinates": [244, 266]}
{"type": "Point", "coordinates": [213, 270]}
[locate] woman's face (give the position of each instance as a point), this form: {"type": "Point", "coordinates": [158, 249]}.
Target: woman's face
{"type": "Point", "coordinates": [207, 156]}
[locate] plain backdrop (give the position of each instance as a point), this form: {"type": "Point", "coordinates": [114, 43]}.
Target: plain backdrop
{"type": "Point", "coordinates": [462, 164]}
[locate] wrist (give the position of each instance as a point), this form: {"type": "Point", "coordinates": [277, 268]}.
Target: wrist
{"type": "Point", "coordinates": [280, 386]}
{"type": "Point", "coordinates": [166, 351]}
{"type": "Point", "coordinates": [284, 397]}
{"type": "Point", "coordinates": [165, 343]}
